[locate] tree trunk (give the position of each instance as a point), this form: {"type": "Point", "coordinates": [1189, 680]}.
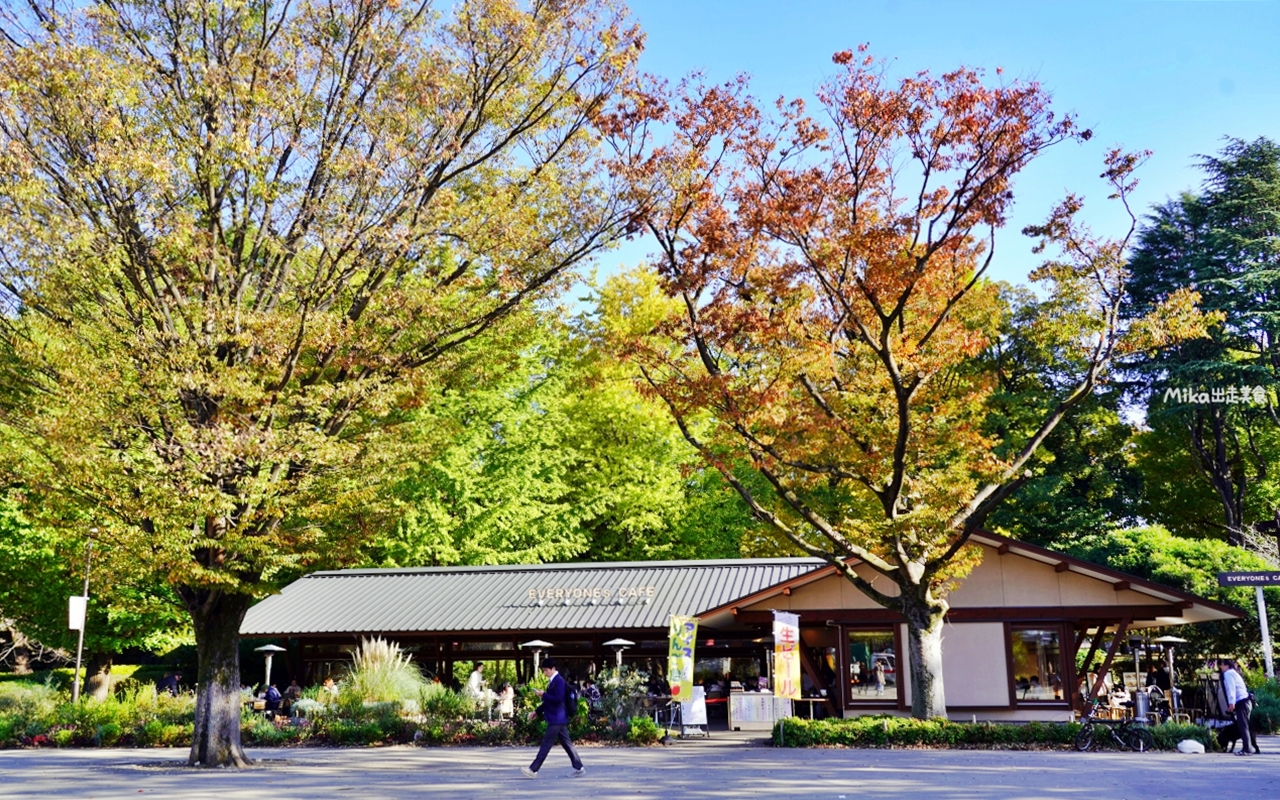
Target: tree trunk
{"type": "Point", "coordinates": [97, 683]}
{"type": "Point", "coordinates": [216, 618]}
{"type": "Point", "coordinates": [924, 651]}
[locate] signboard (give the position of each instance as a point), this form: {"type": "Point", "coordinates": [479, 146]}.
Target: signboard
{"type": "Point", "coordinates": [1257, 580]}
{"type": "Point", "coordinates": [1249, 578]}
{"type": "Point", "coordinates": [693, 712]}
{"type": "Point", "coordinates": [786, 655]}
{"type": "Point", "coordinates": [684, 632]}
{"type": "Point", "coordinates": [76, 607]}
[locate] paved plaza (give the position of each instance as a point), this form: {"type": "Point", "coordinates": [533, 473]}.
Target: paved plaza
{"type": "Point", "coordinates": [684, 770]}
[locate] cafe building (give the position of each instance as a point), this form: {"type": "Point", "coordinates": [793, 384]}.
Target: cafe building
{"type": "Point", "coordinates": [1009, 645]}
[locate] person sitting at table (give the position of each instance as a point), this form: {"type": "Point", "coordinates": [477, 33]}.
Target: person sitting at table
{"type": "Point", "coordinates": [591, 693]}
{"type": "Point", "coordinates": [506, 702]}
{"type": "Point", "coordinates": [273, 698]}
{"type": "Point", "coordinates": [657, 687]}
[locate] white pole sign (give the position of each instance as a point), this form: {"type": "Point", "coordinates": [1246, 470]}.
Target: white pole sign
{"type": "Point", "coordinates": [76, 607]}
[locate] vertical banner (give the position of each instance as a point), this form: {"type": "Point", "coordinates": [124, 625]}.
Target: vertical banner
{"type": "Point", "coordinates": [684, 632]}
{"type": "Point", "coordinates": [77, 605]}
{"type": "Point", "coordinates": [786, 655]}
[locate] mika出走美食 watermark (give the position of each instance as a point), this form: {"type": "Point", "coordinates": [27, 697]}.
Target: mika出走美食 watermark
{"type": "Point", "coordinates": [1231, 395]}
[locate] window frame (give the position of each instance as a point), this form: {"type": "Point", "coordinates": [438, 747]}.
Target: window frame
{"type": "Point", "coordinates": [1064, 637]}
{"type": "Point", "coordinates": [848, 700]}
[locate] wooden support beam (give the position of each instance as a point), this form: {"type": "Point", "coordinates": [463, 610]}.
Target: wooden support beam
{"type": "Point", "coordinates": [1120, 586]}
{"type": "Point", "coordinates": [1082, 632]}
{"type": "Point", "coordinates": [815, 675]}
{"type": "Point", "coordinates": [1088, 659]}
{"type": "Point", "coordinates": [1003, 548]}
{"type": "Point", "coordinates": [1061, 566]}
{"type": "Point", "coordinates": [1121, 630]}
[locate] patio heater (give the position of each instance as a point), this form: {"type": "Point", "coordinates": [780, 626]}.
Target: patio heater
{"type": "Point", "coordinates": [537, 646]}
{"type": "Point", "coordinates": [618, 646]}
{"type": "Point", "coordinates": [269, 650]}
{"type": "Point", "coordinates": [1169, 642]}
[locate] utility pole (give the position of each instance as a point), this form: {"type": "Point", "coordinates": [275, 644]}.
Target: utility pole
{"type": "Point", "coordinates": [88, 560]}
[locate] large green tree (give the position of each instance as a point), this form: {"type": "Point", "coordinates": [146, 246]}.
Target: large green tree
{"type": "Point", "coordinates": [43, 564]}
{"type": "Point", "coordinates": [556, 457]}
{"type": "Point", "coordinates": [1224, 242]}
{"type": "Point", "coordinates": [239, 239]}
{"type": "Point", "coordinates": [1082, 480]}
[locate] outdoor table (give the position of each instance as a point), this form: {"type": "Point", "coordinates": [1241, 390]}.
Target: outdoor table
{"type": "Point", "coordinates": [810, 701]}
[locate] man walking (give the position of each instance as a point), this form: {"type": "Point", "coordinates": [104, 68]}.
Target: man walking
{"type": "Point", "coordinates": [1238, 702]}
{"type": "Point", "coordinates": [553, 711]}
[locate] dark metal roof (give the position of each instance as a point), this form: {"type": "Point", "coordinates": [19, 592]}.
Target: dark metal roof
{"type": "Point", "coordinates": [641, 594]}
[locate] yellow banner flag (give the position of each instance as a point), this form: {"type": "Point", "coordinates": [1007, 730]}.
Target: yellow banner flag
{"type": "Point", "coordinates": [684, 633]}
{"type": "Point", "coordinates": [786, 655]}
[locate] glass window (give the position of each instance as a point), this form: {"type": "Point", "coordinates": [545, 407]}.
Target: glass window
{"type": "Point", "coordinates": [873, 666]}
{"type": "Point", "coordinates": [1037, 665]}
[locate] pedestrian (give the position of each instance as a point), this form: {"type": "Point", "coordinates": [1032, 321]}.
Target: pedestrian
{"type": "Point", "coordinates": [880, 676]}
{"type": "Point", "coordinates": [169, 683]}
{"type": "Point", "coordinates": [552, 709]}
{"type": "Point", "coordinates": [1238, 702]}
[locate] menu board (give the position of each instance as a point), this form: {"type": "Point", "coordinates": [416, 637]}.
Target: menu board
{"type": "Point", "coordinates": [756, 711]}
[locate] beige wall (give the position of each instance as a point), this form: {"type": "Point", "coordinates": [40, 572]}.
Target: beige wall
{"type": "Point", "coordinates": [975, 670]}
{"type": "Point", "coordinates": [1008, 580]}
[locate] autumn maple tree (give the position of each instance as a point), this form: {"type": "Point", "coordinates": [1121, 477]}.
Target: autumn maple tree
{"type": "Point", "coordinates": [835, 319]}
{"type": "Point", "coordinates": [238, 239]}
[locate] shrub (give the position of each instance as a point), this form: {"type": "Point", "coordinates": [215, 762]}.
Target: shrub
{"type": "Point", "coordinates": [1266, 711]}
{"type": "Point", "coordinates": [282, 731]}
{"type": "Point", "coordinates": [108, 734]}
{"type": "Point", "coordinates": [643, 731]}
{"type": "Point", "coordinates": [887, 731]}
{"type": "Point", "coordinates": [621, 692]}
{"type": "Point", "coordinates": [1170, 733]}
{"type": "Point", "coordinates": [437, 700]}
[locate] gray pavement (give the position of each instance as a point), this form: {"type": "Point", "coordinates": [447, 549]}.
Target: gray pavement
{"type": "Point", "coordinates": [716, 769]}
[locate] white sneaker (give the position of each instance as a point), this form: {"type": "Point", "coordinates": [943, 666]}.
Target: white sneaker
{"type": "Point", "coordinates": [579, 772]}
{"type": "Point", "coordinates": [528, 773]}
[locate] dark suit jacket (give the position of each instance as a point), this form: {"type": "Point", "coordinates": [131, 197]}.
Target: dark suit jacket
{"type": "Point", "coordinates": [552, 707]}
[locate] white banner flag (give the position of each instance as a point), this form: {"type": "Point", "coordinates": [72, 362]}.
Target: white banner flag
{"type": "Point", "coordinates": [76, 607]}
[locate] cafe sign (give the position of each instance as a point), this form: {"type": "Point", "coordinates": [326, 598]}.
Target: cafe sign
{"type": "Point", "coordinates": [1257, 580]}
{"type": "Point", "coordinates": [1249, 578]}
{"type": "Point", "coordinates": [592, 592]}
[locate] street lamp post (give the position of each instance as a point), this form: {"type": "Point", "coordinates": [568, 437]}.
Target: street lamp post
{"type": "Point", "coordinates": [88, 559]}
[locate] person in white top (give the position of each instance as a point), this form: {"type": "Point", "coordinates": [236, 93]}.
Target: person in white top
{"type": "Point", "coordinates": [1238, 702]}
{"type": "Point", "coordinates": [506, 701]}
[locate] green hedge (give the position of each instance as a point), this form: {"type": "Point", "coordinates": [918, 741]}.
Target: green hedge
{"type": "Point", "coordinates": [889, 731]}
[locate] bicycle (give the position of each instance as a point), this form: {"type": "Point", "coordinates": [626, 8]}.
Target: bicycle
{"type": "Point", "coordinates": [1125, 733]}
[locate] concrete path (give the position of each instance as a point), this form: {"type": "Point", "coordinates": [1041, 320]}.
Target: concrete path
{"type": "Point", "coordinates": [684, 770]}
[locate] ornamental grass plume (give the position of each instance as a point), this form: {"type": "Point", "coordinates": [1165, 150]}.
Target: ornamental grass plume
{"type": "Point", "coordinates": [381, 674]}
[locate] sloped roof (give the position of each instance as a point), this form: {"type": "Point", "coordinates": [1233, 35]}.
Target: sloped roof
{"type": "Point", "coordinates": [542, 597]}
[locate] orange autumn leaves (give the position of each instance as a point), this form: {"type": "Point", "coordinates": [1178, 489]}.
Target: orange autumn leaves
{"type": "Point", "coordinates": [831, 302]}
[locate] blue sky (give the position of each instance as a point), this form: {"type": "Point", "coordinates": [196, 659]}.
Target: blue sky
{"type": "Point", "coordinates": [1171, 77]}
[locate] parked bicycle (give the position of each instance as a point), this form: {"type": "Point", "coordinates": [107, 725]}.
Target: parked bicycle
{"type": "Point", "coordinates": [1126, 734]}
